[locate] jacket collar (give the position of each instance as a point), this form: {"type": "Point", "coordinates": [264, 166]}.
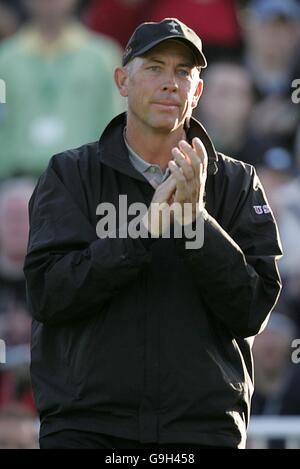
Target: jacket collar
{"type": "Point", "coordinates": [112, 150]}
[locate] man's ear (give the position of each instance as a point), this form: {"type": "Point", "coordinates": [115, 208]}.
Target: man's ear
{"type": "Point", "coordinates": [121, 78]}
{"type": "Point", "coordinates": [198, 93]}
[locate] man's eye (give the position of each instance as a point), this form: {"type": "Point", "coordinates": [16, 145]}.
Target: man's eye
{"type": "Point", "coordinates": [154, 68]}
{"type": "Point", "coordinates": [183, 72]}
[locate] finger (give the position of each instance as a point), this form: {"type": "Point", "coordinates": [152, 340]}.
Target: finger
{"type": "Point", "coordinates": [153, 183]}
{"type": "Point", "coordinates": [164, 190]}
{"type": "Point", "coordinates": [170, 181]}
{"type": "Point", "coordinates": [184, 164]}
{"type": "Point", "coordinates": [187, 150]}
{"type": "Point", "coordinates": [201, 152]}
{"type": "Point", "coordinates": [176, 172]}
{"type": "Point", "coordinates": [181, 182]}
{"type": "Point", "coordinates": [186, 157]}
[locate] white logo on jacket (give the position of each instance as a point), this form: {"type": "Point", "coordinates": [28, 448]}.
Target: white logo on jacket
{"type": "Point", "coordinates": [260, 209]}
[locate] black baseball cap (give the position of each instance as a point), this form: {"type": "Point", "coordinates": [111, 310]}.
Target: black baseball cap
{"type": "Point", "coordinates": [150, 34]}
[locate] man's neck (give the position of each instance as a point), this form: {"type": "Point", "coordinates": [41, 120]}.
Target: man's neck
{"type": "Point", "coordinates": [50, 31]}
{"type": "Point", "coordinates": [153, 146]}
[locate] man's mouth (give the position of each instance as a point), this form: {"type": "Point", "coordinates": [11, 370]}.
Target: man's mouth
{"type": "Point", "coordinates": [169, 104]}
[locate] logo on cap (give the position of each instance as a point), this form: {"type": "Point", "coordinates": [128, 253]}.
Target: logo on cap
{"type": "Point", "coordinates": [127, 51]}
{"type": "Point", "coordinates": [173, 27]}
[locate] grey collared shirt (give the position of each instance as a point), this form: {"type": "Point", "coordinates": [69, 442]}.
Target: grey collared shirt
{"type": "Point", "coordinates": [149, 171]}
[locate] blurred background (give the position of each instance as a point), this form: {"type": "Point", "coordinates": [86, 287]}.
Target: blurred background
{"type": "Point", "coordinates": [57, 59]}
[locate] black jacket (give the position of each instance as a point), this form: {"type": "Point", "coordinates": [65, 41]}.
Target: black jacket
{"type": "Point", "coordinates": [144, 339]}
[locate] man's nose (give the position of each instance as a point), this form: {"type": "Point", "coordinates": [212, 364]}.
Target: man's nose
{"type": "Point", "coordinates": [170, 83]}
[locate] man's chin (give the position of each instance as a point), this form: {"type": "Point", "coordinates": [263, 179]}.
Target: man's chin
{"type": "Point", "coordinates": [166, 125]}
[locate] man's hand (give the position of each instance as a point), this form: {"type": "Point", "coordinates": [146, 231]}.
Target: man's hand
{"type": "Point", "coordinates": [189, 169]}
{"type": "Point", "coordinates": [186, 185]}
{"type": "Point", "coordinates": [158, 217]}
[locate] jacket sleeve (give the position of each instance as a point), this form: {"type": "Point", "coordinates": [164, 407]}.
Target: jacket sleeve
{"type": "Point", "coordinates": [236, 270]}
{"type": "Point", "coordinates": [70, 273]}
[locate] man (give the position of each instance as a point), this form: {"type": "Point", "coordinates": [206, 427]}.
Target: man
{"type": "Point", "coordinates": [59, 88]}
{"type": "Point", "coordinates": [144, 342]}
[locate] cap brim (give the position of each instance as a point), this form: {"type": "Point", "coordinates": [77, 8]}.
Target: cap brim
{"type": "Point", "coordinates": [201, 60]}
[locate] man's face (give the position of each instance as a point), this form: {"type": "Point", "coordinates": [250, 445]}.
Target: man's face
{"type": "Point", "coordinates": [163, 87]}
{"type": "Point", "coordinates": [228, 100]}
{"type": "Point", "coordinates": [49, 9]}
{"type": "Point", "coordinates": [274, 38]}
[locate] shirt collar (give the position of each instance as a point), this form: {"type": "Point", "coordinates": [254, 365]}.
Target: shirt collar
{"type": "Point", "coordinates": [71, 38]}
{"type": "Point", "coordinates": [149, 171]}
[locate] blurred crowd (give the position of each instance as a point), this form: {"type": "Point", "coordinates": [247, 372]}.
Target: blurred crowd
{"type": "Point", "coordinates": [57, 59]}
